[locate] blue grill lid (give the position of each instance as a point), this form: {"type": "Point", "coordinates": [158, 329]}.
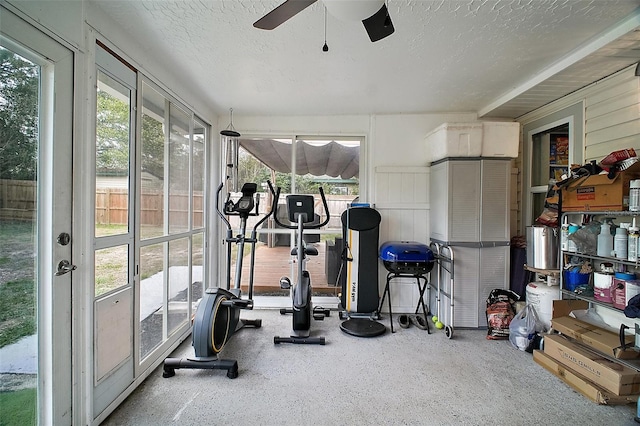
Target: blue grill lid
{"type": "Point", "coordinates": [406, 251]}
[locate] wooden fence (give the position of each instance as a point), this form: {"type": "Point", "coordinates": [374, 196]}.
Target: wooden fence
{"type": "Point", "coordinates": [111, 207]}
{"type": "Point", "coordinates": [18, 199]}
{"type": "Point", "coordinates": [18, 202]}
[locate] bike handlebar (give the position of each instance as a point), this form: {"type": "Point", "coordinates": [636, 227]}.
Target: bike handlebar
{"type": "Point", "coordinates": [274, 210]}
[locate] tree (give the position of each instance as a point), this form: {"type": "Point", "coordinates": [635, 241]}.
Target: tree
{"type": "Point", "coordinates": [19, 84]}
{"type": "Point", "coordinates": [112, 134]}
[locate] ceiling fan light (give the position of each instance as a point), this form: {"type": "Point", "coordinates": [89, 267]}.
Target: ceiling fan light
{"type": "Point", "coordinates": [350, 10]}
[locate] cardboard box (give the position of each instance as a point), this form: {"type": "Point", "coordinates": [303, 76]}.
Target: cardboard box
{"type": "Point", "coordinates": [580, 383]}
{"type": "Point", "coordinates": [595, 337]}
{"type": "Point", "coordinates": [610, 375]}
{"type": "Point", "coordinates": [598, 192]}
{"type": "Point", "coordinates": [562, 308]}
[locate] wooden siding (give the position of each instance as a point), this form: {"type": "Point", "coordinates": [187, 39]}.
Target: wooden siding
{"type": "Point", "coordinates": [402, 198]}
{"type": "Point", "coordinates": [612, 115]}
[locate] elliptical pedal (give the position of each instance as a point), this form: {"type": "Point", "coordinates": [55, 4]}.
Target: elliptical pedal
{"type": "Point", "coordinates": [319, 313]}
{"type": "Point", "coordinates": [285, 283]}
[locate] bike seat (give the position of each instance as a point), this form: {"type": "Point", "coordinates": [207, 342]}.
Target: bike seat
{"type": "Point", "coordinates": [309, 251]}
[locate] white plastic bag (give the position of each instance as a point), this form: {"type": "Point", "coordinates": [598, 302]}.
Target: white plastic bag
{"type": "Point", "coordinates": [524, 327]}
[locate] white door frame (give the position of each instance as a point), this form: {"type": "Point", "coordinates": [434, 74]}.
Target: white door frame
{"type": "Point", "coordinates": [55, 201]}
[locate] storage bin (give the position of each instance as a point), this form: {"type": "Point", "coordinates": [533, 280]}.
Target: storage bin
{"type": "Point", "coordinates": [603, 287]}
{"type": "Point", "coordinates": [619, 293]}
{"type": "Point", "coordinates": [500, 139]}
{"type": "Point", "coordinates": [574, 279]}
{"type": "Point", "coordinates": [454, 140]}
{"type": "Point", "coordinates": [482, 139]}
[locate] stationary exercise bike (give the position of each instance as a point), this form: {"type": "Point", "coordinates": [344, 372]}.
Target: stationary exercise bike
{"type": "Point", "coordinates": [218, 313]}
{"type": "Point", "coordinates": [301, 212]}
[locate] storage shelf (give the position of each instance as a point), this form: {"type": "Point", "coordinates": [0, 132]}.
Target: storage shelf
{"type": "Point", "coordinates": [590, 300]}
{"type": "Point", "coordinates": [602, 258]}
{"type": "Point", "coordinates": [552, 272]}
{"type": "Point", "coordinates": [605, 213]}
{"type": "Point", "coordinates": [632, 363]}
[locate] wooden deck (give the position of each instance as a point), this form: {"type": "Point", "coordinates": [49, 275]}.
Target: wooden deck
{"type": "Point", "coordinates": [272, 263]}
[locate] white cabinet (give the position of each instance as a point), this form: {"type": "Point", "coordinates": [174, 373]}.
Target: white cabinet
{"type": "Point", "coordinates": [470, 212]}
{"type": "Point", "coordinates": [470, 200]}
{"type": "Point", "coordinates": [477, 271]}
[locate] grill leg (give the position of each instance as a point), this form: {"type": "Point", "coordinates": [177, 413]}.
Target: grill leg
{"type": "Point", "coordinates": [384, 294]}
{"type": "Point", "coordinates": [421, 299]}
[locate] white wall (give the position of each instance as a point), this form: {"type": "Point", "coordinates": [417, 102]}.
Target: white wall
{"type": "Point", "coordinates": [398, 139]}
{"type": "Point", "coordinates": [64, 19]}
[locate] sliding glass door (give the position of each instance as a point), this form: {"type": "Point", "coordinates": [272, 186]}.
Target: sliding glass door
{"type": "Point", "coordinates": [300, 165]}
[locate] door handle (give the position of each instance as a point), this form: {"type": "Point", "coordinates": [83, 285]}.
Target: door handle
{"type": "Point", "coordinates": [65, 266]}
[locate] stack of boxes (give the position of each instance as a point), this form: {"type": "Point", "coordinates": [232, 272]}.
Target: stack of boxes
{"type": "Point", "coordinates": [589, 358]}
{"type": "Point", "coordinates": [599, 192]}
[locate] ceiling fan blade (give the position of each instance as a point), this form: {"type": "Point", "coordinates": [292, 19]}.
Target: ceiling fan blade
{"type": "Point", "coordinates": [282, 13]}
{"type": "Point", "coordinates": [379, 24]}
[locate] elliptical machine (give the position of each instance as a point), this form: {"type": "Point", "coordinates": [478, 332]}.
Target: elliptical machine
{"type": "Point", "coordinates": [301, 212]}
{"type": "Point", "coordinates": [218, 315]}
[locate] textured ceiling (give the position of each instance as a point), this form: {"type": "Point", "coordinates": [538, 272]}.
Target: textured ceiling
{"type": "Point", "coordinates": [445, 55]}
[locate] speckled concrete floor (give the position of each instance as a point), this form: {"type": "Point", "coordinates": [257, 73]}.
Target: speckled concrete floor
{"type": "Point", "coordinates": [406, 378]}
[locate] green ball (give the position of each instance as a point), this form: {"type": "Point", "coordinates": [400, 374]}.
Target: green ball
{"type": "Point", "coordinates": [439, 325]}
{"type": "Point", "coordinates": [434, 319]}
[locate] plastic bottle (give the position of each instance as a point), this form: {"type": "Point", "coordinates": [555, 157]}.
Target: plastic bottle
{"type": "Point", "coordinates": [564, 235]}
{"type": "Point", "coordinates": [634, 195]}
{"type": "Point", "coordinates": [632, 246]}
{"type": "Point", "coordinates": [605, 241]}
{"type": "Point", "coordinates": [571, 245]}
{"type": "Point", "coordinates": [620, 243]}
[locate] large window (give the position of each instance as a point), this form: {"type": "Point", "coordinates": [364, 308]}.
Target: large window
{"type": "Point", "coordinates": [150, 198]}
{"type": "Point", "coordinates": [172, 216]}
{"type": "Point", "coordinates": [300, 165]}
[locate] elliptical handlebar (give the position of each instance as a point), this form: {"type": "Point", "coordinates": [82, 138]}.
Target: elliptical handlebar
{"type": "Point", "coordinates": [265, 217]}
{"type": "Point", "coordinates": [274, 209]}
{"type": "Point", "coordinates": [231, 212]}
{"type": "Point", "coordinates": [222, 216]}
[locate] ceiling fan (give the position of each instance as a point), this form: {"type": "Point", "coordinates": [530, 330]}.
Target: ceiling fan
{"type": "Point", "coordinates": [373, 14]}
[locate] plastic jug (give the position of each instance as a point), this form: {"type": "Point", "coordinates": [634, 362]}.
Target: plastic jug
{"type": "Point", "coordinates": [620, 243]}
{"type": "Point", "coordinates": [605, 241]}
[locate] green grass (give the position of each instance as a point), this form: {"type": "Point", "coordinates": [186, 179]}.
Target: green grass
{"type": "Point", "coordinates": [17, 311]}
{"type": "Point", "coordinates": [17, 247]}
{"type": "Point", "coordinates": [18, 408]}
